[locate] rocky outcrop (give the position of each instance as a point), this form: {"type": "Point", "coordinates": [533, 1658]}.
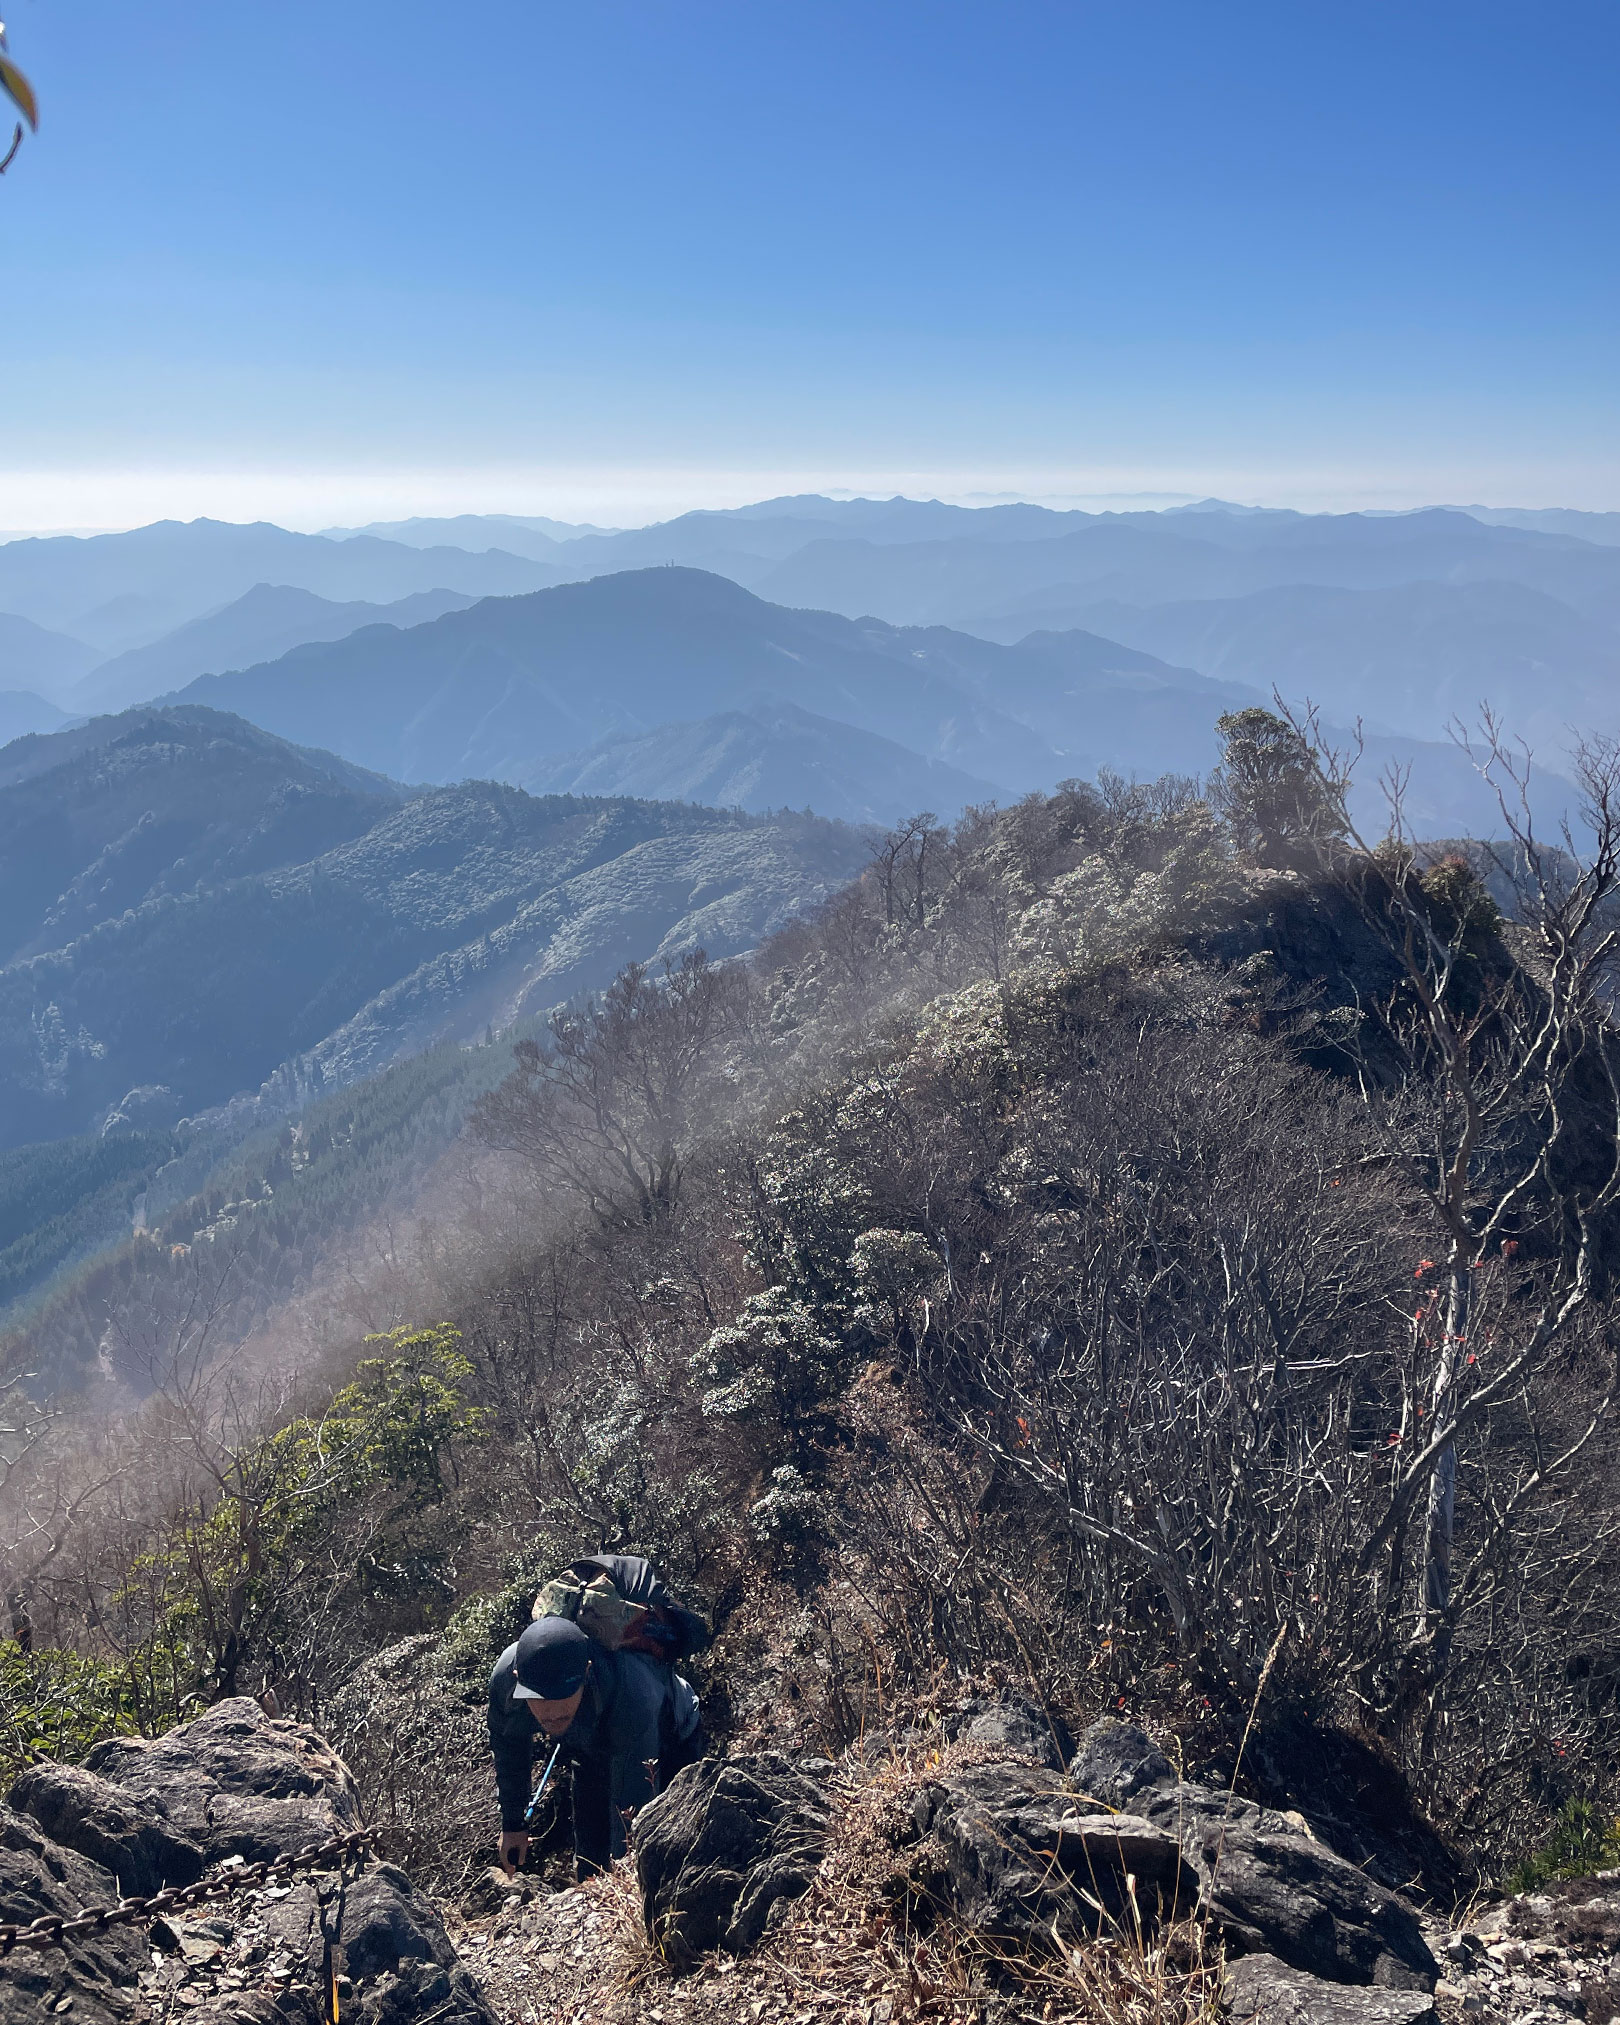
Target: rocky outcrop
{"type": "Point", "coordinates": [1267, 1883]}
{"type": "Point", "coordinates": [1019, 1858]}
{"type": "Point", "coordinates": [132, 1837]}
{"type": "Point", "coordinates": [1016, 1852]}
{"type": "Point", "coordinates": [1014, 1725]}
{"type": "Point", "coordinates": [235, 1782]}
{"type": "Point", "coordinates": [1116, 1761]}
{"type": "Point", "coordinates": [1260, 1990]}
{"type": "Point", "coordinates": [233, 1785]}
{"type": "Point", "coordinates": [725, 1845]}
{"type": "Point", "coordinates": [97, 1971]}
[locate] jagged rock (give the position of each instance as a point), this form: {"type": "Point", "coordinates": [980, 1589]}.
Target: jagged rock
{"type": "Point", "coordinates": [1285, 1895]}
{"type": "Point", "coordinates": [1019, 1854]}
{"type": "Point", "coordinates": [1022, 1859]}
{"type": "Point", "coordinates": [721, 1847]}
{"type": "Point", "coordinates": [235, 1782]}
{"type": "Point", "coordinates": [1269, 1885]}
{"type": "Point", "coordinates": [1260, 1990]}
{"type": "Point", "coordinates": [387, 1922]}
{"type": "Point", "coordinates": [1116, 1761]}
{"type": "Point", "coordinates": [422, 1991]}
{"type": "Point", "coordinates": [98, 1971]}
{"type": "Point", "coordinates": [1016, 1724]}
{"type": "Point", "coordinates": [136, 1842]}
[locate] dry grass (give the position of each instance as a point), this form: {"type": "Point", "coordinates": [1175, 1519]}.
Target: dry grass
{"type": "Point", "coordinates": [858, 1949]}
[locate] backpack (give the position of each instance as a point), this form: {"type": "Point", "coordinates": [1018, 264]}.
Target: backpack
{"type": "Point", "coordinates": [652, 1622]}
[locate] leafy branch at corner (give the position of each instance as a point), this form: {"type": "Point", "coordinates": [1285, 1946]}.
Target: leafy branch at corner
{"type": "Point", "coordinates": [16, 87]}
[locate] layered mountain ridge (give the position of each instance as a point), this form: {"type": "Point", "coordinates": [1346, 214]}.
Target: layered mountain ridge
{"type": "Point", "coordinates": [1403, 620]}
{"type": "Point", "coordinates": [193, 906]}
{"type": "Point", "coordinates": [679, 682]}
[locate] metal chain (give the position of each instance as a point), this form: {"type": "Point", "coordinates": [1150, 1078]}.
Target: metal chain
{"type": "Point", "coordinates": [56, 1929]}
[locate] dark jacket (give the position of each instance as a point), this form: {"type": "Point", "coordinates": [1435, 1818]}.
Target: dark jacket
{"type": "Point", "coordinates": [637, 1722]}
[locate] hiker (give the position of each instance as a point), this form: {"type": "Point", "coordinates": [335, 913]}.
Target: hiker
{"type": "Point", "coordinates": [595, 1673]}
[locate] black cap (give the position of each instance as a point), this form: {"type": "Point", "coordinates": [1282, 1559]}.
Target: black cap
{"type": "Point", "coordinates": [553, 1656]}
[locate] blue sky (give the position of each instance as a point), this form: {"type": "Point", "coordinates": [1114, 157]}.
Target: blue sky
{"type": "Point", "coordinates": [611, 258]}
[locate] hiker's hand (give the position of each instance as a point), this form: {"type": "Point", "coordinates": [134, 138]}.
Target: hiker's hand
{"type": "Point", "coordinates": [513, 1850]}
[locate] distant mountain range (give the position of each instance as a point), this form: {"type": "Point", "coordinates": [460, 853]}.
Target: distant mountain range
{"type": "Point", "coordinates": [117, 591]}
{"type": "Point", "coordinates": [191, 910]}
{"type": "Point", "coordinates": [21, 712]}
{"type": "Point", "coordinates": [511, 686]}
{"type": "Point", "coordinates": [226, 927]}
{"type": "Point", "coordinates": [1406, 659]}
{"type": "Point", "coordinates": [262, 624]}
{"type": "Point", "coordinates": [771, 756]}
{"type": "Point", "coordinates": [574, 687]}
{"type": "Point", "coordinates": [418, 647]}
{"type": "Point", "coordinates": [1598, 527]}
{"type": "Point", "coordinates": [32, 658]}
{"type": "Point", "coordinates": [538, 537]}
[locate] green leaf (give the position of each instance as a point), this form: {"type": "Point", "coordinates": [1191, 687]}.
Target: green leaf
{"type": "Point", "coordinates": [17, 88]}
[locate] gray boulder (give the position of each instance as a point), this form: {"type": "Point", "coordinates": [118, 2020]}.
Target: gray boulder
{"type": "Point", "coordinates": [721, 1848]}
{"type": "Point", "coordinates": [1021, 1859]}
{"type": "Point", "coordinates": [1286, 1895]}
{"type": "Point", "coordinates": [235, 1782]}
{"type": "Point", "coordinates": [134, 1840]}
{"type": "Point", "coordinates": [1020, 1851]}
{"type": "Point", "coordinates": [395, 1951]}
{"type": "Point", "coordinates": [1268, 1884]}
{"type": "Point", "coordinates": [98, 1971]}
{"type": "Point", "coordinates": [1116, 1762]}
{"type": "Point", "coordinates": [1260, 1990]}
{"type": "Point", "coordinates": [1018, 1726]}
{"type": "Point", "coordinates": [387, 1923]}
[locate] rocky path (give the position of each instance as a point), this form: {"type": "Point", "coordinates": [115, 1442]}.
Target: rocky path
{"type": "Point", "coordinates": [976, 1880]}
{"type": "Point", "coordinates": [1542, 1959]}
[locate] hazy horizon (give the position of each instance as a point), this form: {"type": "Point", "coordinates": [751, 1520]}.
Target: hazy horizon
{"type": "Point", "coordinates": [628, 509]}
{"type": "Point", "coordinates": [608, 264]}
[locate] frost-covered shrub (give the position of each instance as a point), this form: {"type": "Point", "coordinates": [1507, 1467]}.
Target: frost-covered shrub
{"type": "Point", "coordinates": [1108, 906]}
{"type": "Point", "coordinates": [774, 1363]}
{"type": "Point", "coordinates": [791, 1516]}
{"type": "Point", "coordinates": [893, 1270]}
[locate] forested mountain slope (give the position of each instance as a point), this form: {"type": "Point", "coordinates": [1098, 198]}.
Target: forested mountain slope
{"type": "Point", "coordinates": [771, 756]}
{"type": "Point", "coordinates": [129, 810]}
{"type": "Point", "coordinates": [197, 906]}
{"type": "Point", "coordinates": [1031, 1270]}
